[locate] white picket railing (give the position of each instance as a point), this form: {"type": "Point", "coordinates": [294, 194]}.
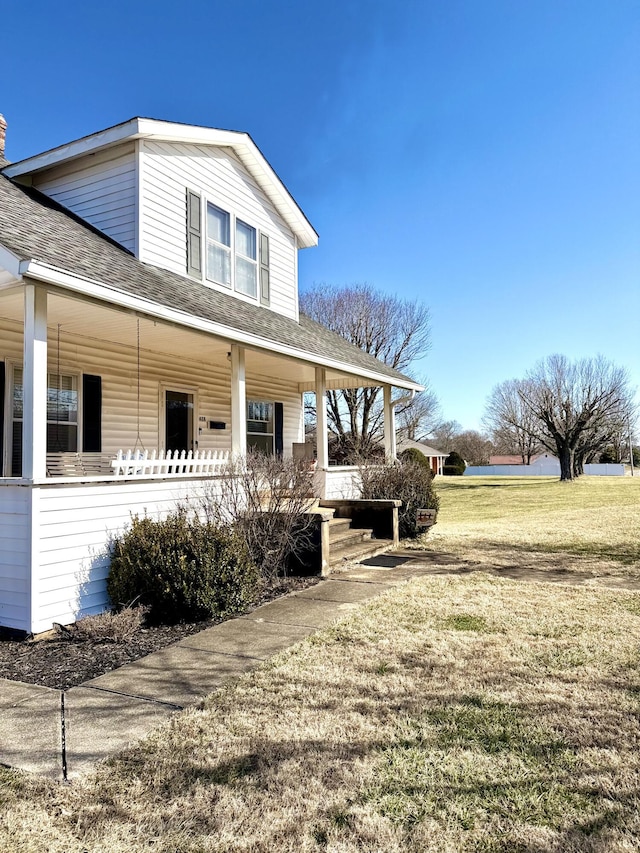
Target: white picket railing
{"type": "Point", "coordinates": [137, 463]}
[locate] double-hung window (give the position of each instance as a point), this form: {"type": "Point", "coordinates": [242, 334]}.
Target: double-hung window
{"type": "Point", "coordinates": [246, 262]}
{"type": "Point", "coordinates": [62, 416]}
{"type": "Point", "coordinates": [232, 252]}
{"type": "Point", "coordinates": [218, 245]}
{"type": "Point", "coordinates": [260, 426]}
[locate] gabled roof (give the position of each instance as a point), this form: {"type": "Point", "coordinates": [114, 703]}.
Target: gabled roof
{"type": "Point", "coordinates": [165, 131]}
{"type": "Point", "coordinates": [408, 443]}
{"type": "Point", "coordinates": [53, 245]}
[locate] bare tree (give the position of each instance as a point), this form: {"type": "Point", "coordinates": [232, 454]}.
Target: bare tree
{"type": "Point", "coordinates": [474, 447]}
{"type": "Point", "coordinates": [512, 424]}
{"type": "Point", "coordinates": [394, 330]}
{"type": "Point", "coordinates": [419, 417]}
{"type": "Point", "coordinates": [444, 435]}
{"type": "Point", "coordinates": [578, 407]}
{"type": "Point", "coordinates": [266, 500]}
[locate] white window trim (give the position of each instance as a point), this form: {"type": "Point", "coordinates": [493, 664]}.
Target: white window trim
{"type": "Point", "coordinates": [273, 421]}
{"type": "Point", "coordinates": [9, 378]}
{"type": "Point", "coordinates": [233, 219]}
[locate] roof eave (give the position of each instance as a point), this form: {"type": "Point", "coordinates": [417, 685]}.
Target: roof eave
{"type": "Point", "coordinates": [113, 296]}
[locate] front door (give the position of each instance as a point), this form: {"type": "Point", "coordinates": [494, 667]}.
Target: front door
{"type": "Point", "coordinates": [179, 420]}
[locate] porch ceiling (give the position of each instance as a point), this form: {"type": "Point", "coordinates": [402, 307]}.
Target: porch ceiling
{"type": "Point", "coordinates": [95, 322]}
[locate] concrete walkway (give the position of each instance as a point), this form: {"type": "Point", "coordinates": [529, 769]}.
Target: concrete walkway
{"type": "Point", "coordinates": [62, 735]}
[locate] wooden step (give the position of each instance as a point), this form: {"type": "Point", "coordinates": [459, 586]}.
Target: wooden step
{"type": "Point", "coordinates": [359, 551]}
{"type": "Point", "coordinates": [348, 536]}
{"type": "Point", "coordinates": [338, 526]}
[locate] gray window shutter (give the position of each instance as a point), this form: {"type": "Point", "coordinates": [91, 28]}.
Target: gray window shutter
{"type": "Point", "coordinates": [194, 235]}
{"type": "Point", "coordinates": [265, 282]}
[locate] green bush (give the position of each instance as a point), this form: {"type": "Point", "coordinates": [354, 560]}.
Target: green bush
{"type": "Point", "coordinates": [412, 454]}
{"type": "Point", "coordinates": [454, 464]}
{"type": "Point", "coordinates": [406, 481]}
{"type": "Point", "coordinates": [182, 568]}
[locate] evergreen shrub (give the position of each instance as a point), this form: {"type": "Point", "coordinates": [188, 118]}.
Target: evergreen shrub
{"type": "Point", "coordinates": [454, 465]}
{"type": "Point", "coordinates": [182, 568]}
{"type": "Point", "coordinates": [412, 454]}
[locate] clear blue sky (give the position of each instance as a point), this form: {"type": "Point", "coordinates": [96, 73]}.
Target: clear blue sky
{"type": "Point", "coordinates": [481, 156]}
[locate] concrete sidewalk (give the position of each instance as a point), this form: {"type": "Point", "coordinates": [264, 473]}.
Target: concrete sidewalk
{"type": "Point", "coordinates": [62, 735]}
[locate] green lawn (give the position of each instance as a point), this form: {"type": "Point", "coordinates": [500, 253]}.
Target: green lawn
{"type": "Point", "coordinates": [461, 713]}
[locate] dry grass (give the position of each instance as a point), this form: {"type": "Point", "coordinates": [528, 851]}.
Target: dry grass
{"type": "Point", "coordinates": [455, 714]}
{"type": "Point", "coordinates": [110, 626]}
{"type": "Point", "coordinates": [452, 714]}
{"type": "Point", "coordinates": [590, 526]}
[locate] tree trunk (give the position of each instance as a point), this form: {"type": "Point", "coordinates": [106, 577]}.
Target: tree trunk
{"type": "Point", "coordinates": [565, 455]}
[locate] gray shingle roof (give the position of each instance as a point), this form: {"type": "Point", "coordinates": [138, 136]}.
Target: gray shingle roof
{"type": "Point", "coordinates": [34, 227]}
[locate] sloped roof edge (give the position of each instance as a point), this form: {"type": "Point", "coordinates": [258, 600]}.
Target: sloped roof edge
{"type": "Point", "coordinates": [145, 128]}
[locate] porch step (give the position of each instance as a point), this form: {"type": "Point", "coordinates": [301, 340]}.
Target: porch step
{"type": "Point", "coordinates": [338, 526]}
{"type": "Point", "coordinates": [348, 536]}
{"type": "Point", "coordinates": [361, 551]}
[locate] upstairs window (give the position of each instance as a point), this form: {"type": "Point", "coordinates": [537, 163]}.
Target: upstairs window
{"type": "Point", "coordinates": [246, 263]}
{"type": "Point", "coordinates": [236, 255]}
{"type": "Point", "coordinates": [218, 245]}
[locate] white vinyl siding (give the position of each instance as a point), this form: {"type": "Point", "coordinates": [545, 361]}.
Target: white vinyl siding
{"type": "Point", "coordinates": [76, 523]}
{"type": "Point", "coordinates": [167, 169]}
{"type": "Point", "coordinates": [116, 364]}
{"type": "Point", "coordinates": [15, 530]}
{"type": "Point", "coordinates": [101, 189]}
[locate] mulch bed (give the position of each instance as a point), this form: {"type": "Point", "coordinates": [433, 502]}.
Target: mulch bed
{"type": "Point", "coordinates": [63, 662]}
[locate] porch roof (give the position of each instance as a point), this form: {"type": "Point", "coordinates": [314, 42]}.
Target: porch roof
{"type": "Point", "coordinates": [50, 243]}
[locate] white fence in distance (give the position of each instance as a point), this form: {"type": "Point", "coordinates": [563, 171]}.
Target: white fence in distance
{"type": "Point", "coordinates": [550, 468]}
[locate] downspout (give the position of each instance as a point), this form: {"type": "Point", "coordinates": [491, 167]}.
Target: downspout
{"type": "Point", "coordinates": [400, 401]}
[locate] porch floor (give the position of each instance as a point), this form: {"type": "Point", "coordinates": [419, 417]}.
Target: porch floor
{"type": "Point", "coordinates": [62, 735]}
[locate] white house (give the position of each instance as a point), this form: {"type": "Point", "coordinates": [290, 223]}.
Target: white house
{"type": "Point", "coordinates": [148, 302]}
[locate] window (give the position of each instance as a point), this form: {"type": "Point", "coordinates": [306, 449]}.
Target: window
{"type": "Point", "coordinates": [246, 264]}
{"type": "Point", "coordinates": [62, 416]}
{"type": "Point", "coordinates": [231, 250]}
{"type": "Point", "coordinates": [62, 413]}
{"type": "Point", "coordinates": [218, 246]}
{"type": "Point", "coordinates": [260, 427]}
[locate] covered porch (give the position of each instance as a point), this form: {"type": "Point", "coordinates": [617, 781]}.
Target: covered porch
{"type": "Point", "coordinates": [95, 396]}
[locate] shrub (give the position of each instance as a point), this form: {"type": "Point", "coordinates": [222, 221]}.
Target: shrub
{"type": "Point", "coordinates": [412, 454]}
{"type": "Point", "coordinates": [454, 464]}
{"type": "Point", "coordinates": [406, 481]}
{"type": "Point", "coordinates": [182, 568]}
{"type": "Point", "coordinates": [266, 500]}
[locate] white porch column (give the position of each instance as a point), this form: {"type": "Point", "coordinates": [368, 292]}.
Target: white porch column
{"type": "Point", "coordinates": [389, 426]}
{"type": "Point", "coordinates": [238, 402]}
{"type": "Point", "coordinates": [34, 383]}
{"type": "Point", "coordinates": [322, 431]}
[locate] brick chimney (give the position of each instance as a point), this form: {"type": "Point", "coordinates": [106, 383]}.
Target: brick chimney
{"type": "Point", "coordinates": [3, 134]}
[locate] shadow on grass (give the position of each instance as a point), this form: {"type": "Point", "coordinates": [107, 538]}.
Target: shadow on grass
{"type": "Point", "coordinates": [531, 562]}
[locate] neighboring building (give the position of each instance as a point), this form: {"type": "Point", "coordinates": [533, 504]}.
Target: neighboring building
{"type": "Point", "coordinates": [436, 458]}
{"type": "Point", "coordinates": [148, 302]}
{"type": "Point", "coordinates": [516, 459]}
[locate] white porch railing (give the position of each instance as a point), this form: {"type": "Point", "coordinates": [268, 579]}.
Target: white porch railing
{"type": "Point", "coordinates": [135, 463]}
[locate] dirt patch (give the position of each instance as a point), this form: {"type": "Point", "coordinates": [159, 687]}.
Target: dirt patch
{"type": "Point", "coordinates": [62, 662]}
